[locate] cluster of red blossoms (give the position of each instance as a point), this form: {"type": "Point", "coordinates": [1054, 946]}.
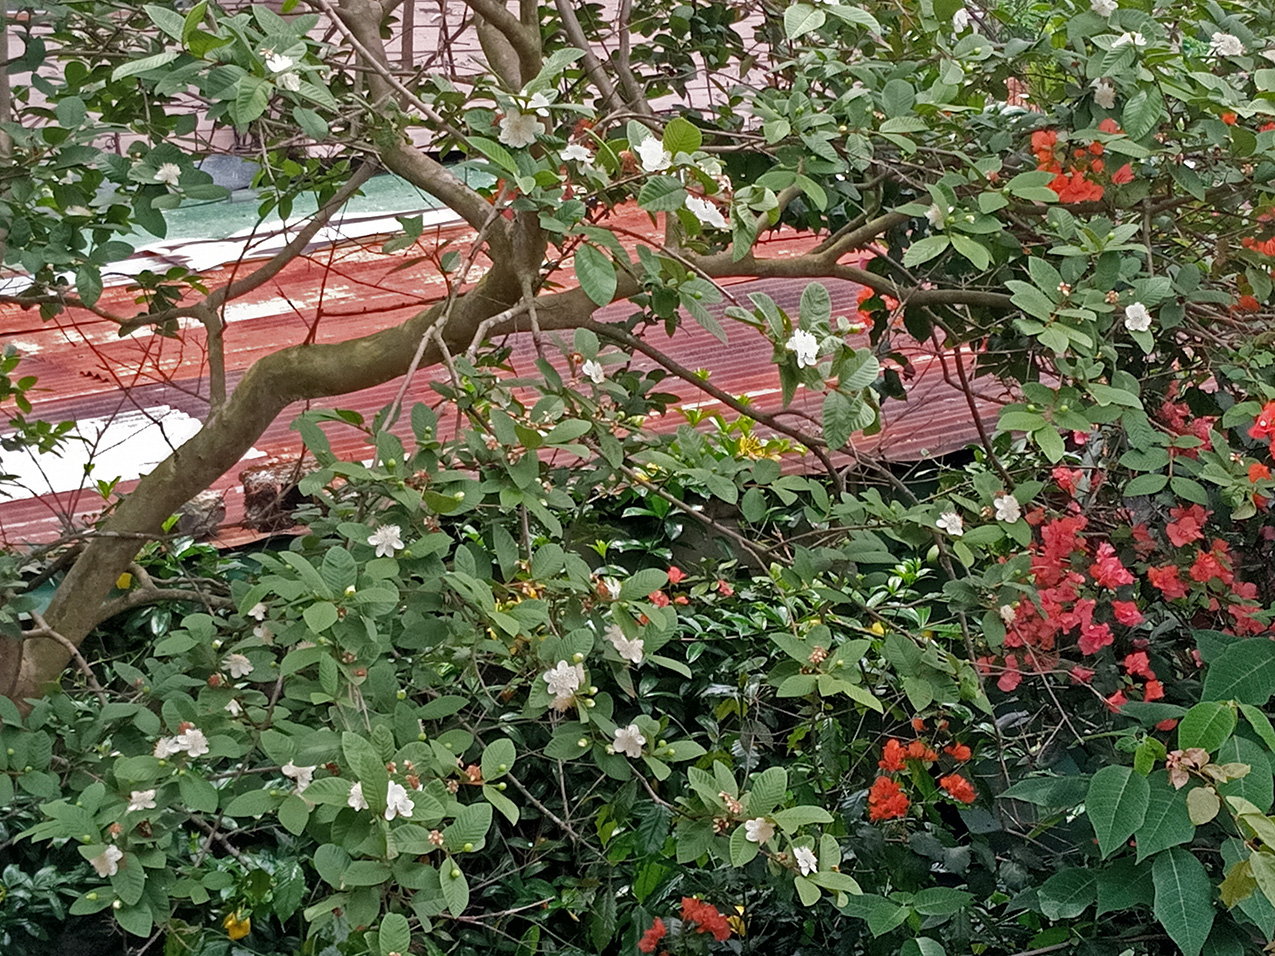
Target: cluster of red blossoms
{"type": "Point", "coordinates": [1075, 183]}
{"type": "Point", "coordinates": [1088, 606]}
{"type": "Point", "coordinates": [886, 799]}
{"type": "Point", "coordinates": [703, 916]}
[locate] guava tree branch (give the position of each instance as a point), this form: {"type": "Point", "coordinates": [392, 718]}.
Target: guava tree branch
{"type": "Point", "coordinates": [592, 65]}
{"type": "Point", "coordinates": [525, 42]}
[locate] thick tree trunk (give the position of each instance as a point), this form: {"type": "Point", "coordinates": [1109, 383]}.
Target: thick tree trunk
{"type": "Point", "coordinates": [28, 668]}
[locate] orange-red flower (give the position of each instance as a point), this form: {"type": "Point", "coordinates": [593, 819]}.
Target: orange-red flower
{"type": "Point", "coordinates": [705, 917]}
{"type": "Point", "coordinates": [1230, 119]}
{"type": "Point", "coordinates": [886, 800]}
{"type": "Point", "coordinates": [892, 756]}
{"type": "Point", "coordinates": [1258, 472]}
{"type": "Point", "coordinates": [958, 788]}
{"type": "Point", "coordinates": [651, 938]}
{"type": "Point", "coordinates": [959, 752]}
{"type": "Point", "coordinates": [918, 751]}
{"type": "Point", "coordinates": [1264, 426]}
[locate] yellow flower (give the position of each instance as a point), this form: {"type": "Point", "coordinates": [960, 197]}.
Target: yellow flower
{"type": "Point", "coordinates": [877, 627]}
{"type": "Point", "coordinates": [238, 924]}
{"type": "Point", "coordinates": [124, 581]}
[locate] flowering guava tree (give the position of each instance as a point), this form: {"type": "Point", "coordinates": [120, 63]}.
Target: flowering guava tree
{"type": "Point", "coordinates": [973, 689]}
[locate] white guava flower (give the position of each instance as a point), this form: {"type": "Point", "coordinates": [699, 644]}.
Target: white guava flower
{"type": "Point", "coordinates": [1226, 44]}
{"type": "Point", "coordinates": [652, 155]}
{"type": "Point", "coordinates": [387, 539]}
{"type": "Point", "coordinates": [593, 371]}
{"type": "Point", "coordinates": [936, 215]}
{"type": "Point", "coordinates": [1137, 318]}
{"type": "Point", "coordinates": [257, 612]}
{"type": "Point", "coordinates": [520, 129]}
{"type": "Point", "coordinates": [564, 679]}
{"type": "Point", "coordinates": [355, 800]}
{"type": "Point", "coordinates": [288, 81]}
{"type": "Point", "coordinates": [806, 860]}
{"type": "Point", "coordinates": [577, 153]}
{"type": "Point", "coordinates": [234, 708]}
{"type": "Point", "coordinates": [952, 523]}
{"type": "Point", "coordinates": [706, 212]}
{"type": "Point", "coordinates": [141, 800]}
{"type": "Point", "coordinates": [539, 104]}
{"type": "Point", "coordinates": [166, 747]}
{"type": "Point", "coordinates": [1104, 93]}
{"type": "Point", "coordinates": [806, 346]}
{"type": "Point", "coordinates": [303, 776]}
{"type": "Point", "coordinates": [613, 588]}
{"type": "Point", "coordinates": [193, 742]}
{"type": "Point", "coordinates": [629, 741]}
{"type": "Point", "coordinates": [237, 665]}
{"type": "Point", "coordinates": [1008, 613]}
{"type": "Point", "coordinates": [169, 174]}
{"type": "Point", "coordinates": [1129, 39]}
{"type": "Point", "coordinates": [1007, 508]}
{"type": "Point", "coordinates": [1104, 8]}
{"type": "Point", "coordinates": [277, 62]}
{"type": "Point", "coordinates": [961, 21]}
{"type": "Point", "coordinates": [397, 802]}
{"type": "Point", "coordinates": [107, 863]}
{"type": "Point", "coordinates": [759, 830]}
{"type": "Point", "coordinates": [630, 650]}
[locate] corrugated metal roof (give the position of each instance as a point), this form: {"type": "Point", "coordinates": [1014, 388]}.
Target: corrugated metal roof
{"type": "Point", "coordinates": [86, 371]}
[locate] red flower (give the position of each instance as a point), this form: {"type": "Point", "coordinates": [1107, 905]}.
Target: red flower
{"type": "Point", "coordinates": [1247, 303]}
{"type": "Point", "coordinates": [1187, 526]}
{"type": "Point", "coordinates": [1116, 701]}
{"type": "Point", "coordinates": [659, 599]}
{"type": "Point", "coordinates": [1067, 479]}
{"type": "Point", "coordinates": [1264, 427]}
{"type": "Point", "coordinates": [1122, 175]}
{"type": "Point", "coordinates": [675, 575]}
{"type": "Point", "coordinates": [1138, 665]}
{"type": "Point", "coordinates": [1107, 569]}
{"type": "Point", "coordinates": [918, 751]}
{"type": "Point", "coordinates": [1109, 126]}
{"type": "Point", "coordinates": [1127, 613]}
{"type": "Point", "coordinates": [1094, 637]}
{"type": "Point", "coordinates": [918, 724]}
{"type": "Point", "coordinates": [724, 588]}
{"type": "Point", "coordinates": [706, 917]}
{"type": "Point", "coordinates": [958, 788]}
{"type": "Point", "coordinates": [1081, 675]}
{"type": "Point", "coordinates": [886, 800]}
{"type": "Point", "coordinates": [1154, 690]}
{"type": "Point", "coordinates": [1209, 565]}
{"type": "Point", "coordinates": [651, 938]}
{"type": "Point", "coordinates": [1167, 581]}
{"type": "Point", "coordinates": [1258, 472]}
{"type": "Point", "coordinates": [1230, 119]}
{"type": "Point", "coordinates": [1167, 725]}
{"type": "Point", "coordinates": [893, 756]}
{"type": "Point", "coordinates": [959, 752]}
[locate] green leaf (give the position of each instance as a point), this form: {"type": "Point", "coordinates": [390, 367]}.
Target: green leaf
{"type": "Point", "coordinates": [311, 123]}
{"type": "Point", "coordinates": [974, 251]}
{"type": "Point", "coordinates": [641, 583]}
{"type": "Point", "coordinates": [495, 152]}
{"type": "Point", "coordinates": [251, 99]}
{"type": "Point", "coordinates": [1183, 899]}
{"type": "Point", "coordinates": [498, 758]}
{"type": "Point", "coordinates": [1245, 672]}
{"type": "Point", "coordinates": [795, 817]}
{"type": "Point", "coordinates": [294, 814]}
{"type": "Point", "coordinates": [839, 419]}
{"type": "Point", "coordinates": [742, 850]}
{"type": "Point", "coordinates": [596, 273]}
{"type": "Point", "coordinates": [1142, 113]}
{"type": "Point", "coordinates": [856, 16]}
{"type": "Point", "coordinates": [1068, 893]}
{"type": "Point", "coordinates": [1258, 786]}
{"type": "Point", "coordinates": [807, 892]}
{"type": "Point", "coordinates": [394, 936]}
{"type": "Point", "coordinates": [922, 946]}
{"type": "Point", "coordinates": [454, 886]}
{"type": "Point", "coordinates": [1117, 805]}
{"type": "Point", "coordinates": [661, 194]}
{"type": "Point", "coordinates": [1167, 822]}
{"type": "Point", "coordinates": [682, 136]}
{"type": "Point", "coordinates": [1145, 485]}
{"type": "Point", "coordinates": [1206, 725]}
{"type": "Point", "coordinates": [801, 18]}
{"type": "Point", "coordinates": [925, 249]}
{"type": "Point", "coordinates": [320, 616]}
{"type": "Point", "coordinates": [144, 65]}
{"type": "Point", "coordinates": [768, 790]}
{"type": "Point", "coordinates": [254, 803]}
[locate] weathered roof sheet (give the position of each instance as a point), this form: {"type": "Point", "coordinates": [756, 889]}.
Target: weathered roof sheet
{"type": "Point", "coordinates": [336, 293]}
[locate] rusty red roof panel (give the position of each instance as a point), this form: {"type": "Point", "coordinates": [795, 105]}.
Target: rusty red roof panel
{"type": "Point", "coordinates": [88, 372]}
